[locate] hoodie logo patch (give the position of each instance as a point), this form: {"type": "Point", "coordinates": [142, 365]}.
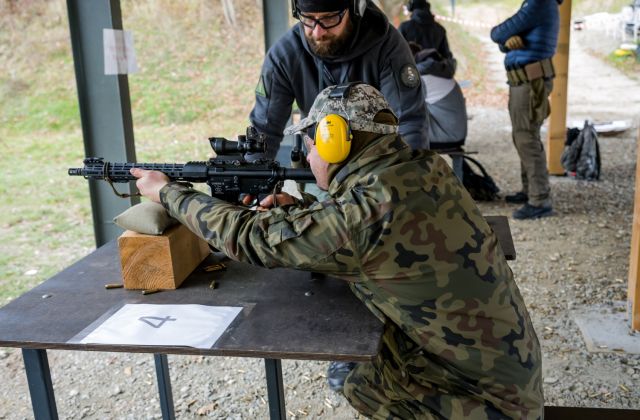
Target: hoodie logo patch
{"type": "Point", "coordinates": [409, 76]}
{"type": "Point", "coordinates": [260, 89]}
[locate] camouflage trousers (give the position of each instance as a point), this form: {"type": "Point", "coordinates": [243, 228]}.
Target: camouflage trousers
{"type": "Point", "coordinates": [394, 386]}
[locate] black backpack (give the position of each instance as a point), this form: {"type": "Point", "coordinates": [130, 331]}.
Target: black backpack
{"type": "Point", "coordinates": [581, 155]}
{"type": "Point", "coordinates": [481, 186]}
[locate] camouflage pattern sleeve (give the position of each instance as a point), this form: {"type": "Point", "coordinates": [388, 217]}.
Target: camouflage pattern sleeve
{"type": "Point", "coordinates": [313, 238]}
{"type": "Point", "coordinates": [307, 199]}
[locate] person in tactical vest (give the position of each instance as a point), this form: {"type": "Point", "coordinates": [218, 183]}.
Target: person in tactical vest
{"type": "Point", "coordinates": [337, 41]}
{"type": "Point", "coordinates": [415, 249]}
{"type": "Point", "coordinates": [529, 39]}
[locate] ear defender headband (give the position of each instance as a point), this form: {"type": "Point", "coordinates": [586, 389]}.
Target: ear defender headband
{"type": "Point", "coordinates": [333, 133]}
{"type": "Point", "coordinates": [356, 8]}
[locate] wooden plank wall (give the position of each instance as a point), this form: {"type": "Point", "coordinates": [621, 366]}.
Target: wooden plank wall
{"type": "Point", "coordinates": [558, 118]}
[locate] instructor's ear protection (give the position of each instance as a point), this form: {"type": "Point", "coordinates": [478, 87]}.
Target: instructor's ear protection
{"type": "Point", "coordinates": [333, 138]}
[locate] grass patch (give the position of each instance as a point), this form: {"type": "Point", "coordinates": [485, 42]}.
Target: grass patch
{"type": "Point", "coordinates": [205, 69]}
{"type": "Point", "coordinates": [197, 77]}
{"type": "Point", "coordinates": [627, 64]}
{"type": "Point", "coordinates": [47, 218]}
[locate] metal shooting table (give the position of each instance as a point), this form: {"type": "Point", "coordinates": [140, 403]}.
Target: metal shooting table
{"type": "Point", "coordinates": [500, 226]}
{"type": "Point", "coordinates": [286, 315]}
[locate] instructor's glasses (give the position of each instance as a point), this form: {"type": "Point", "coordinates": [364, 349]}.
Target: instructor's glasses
{"type": "Point", "coordinates": [325, 22]}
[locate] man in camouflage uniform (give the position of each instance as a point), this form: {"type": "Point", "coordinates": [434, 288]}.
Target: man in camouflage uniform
{"type": "Point", "coordinates": [458, 341]}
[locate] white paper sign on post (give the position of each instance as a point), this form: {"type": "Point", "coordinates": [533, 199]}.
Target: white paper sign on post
{"type": "Point", "coordinates": [197, 326]}
{"type": "Point", "coordinates": [119, 55]}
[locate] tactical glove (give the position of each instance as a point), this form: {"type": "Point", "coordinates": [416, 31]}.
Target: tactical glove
{"type": "Point", "coordinates": [514, 43]}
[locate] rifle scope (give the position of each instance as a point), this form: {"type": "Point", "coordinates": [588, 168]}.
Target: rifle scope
{"type": "Point", "coordinates": [252, 142]}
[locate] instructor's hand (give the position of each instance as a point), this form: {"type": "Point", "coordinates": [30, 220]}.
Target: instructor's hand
{"type": "Point", "coordinates": [149, 183]}
{"type": "Point", "coordinates": [514, 43]}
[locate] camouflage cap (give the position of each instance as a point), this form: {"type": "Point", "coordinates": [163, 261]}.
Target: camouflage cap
{"type": "Point", "coordinates": [359, 108]}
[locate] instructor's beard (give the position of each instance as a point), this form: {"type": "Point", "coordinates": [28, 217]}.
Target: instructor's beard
{"type": "Point", "coordinates": [330, 45]}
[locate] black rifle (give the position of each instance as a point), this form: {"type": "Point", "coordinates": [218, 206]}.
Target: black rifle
{"type": "Point", "coordinates": [229, 174]}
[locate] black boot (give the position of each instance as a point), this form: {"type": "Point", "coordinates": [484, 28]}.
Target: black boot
{"type": "Point", "coordinates": [337, 373]}
{"type": "Point", "coordinates": [532, 212]}
{"type": "Point", "coordinates": [517, 198]}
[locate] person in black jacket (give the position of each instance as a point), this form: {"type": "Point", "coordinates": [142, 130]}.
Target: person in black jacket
{"type": "Point", "coordinates": [423, 30]}
{"type": "Point", "coordinates": [446, 105]}
{"type": "Point", "coordinates": [338, 41]}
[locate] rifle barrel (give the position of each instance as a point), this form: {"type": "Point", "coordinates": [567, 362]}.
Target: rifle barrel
{"type": "Point", "coordinates": [120, 172]}
{"type": "Point", "coordinates": [298, 174]}
{"type": "Point", "coordinates": [96, 168]}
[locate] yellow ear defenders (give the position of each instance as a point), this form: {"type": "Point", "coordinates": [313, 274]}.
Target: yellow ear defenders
{"type": "Point", "coordinates": [333, 138]}
{"type": "Point", "coordinates": [333, 133]}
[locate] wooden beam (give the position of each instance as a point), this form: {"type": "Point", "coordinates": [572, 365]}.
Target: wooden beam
{"type": "Point", "coordinates": [633, 293]}
{"type": "Point", "coordinates": [558, 119]}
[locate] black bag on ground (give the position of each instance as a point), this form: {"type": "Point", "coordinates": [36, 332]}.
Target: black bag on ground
{"type": "Point", "coordinates": [581, 155]}
{"type": "Point", "coordinates": [481, 186]}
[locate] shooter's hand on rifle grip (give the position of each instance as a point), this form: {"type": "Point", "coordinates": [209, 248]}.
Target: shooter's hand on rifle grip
{"type": "Point", "coordinates": [282, 199]}
{"type": "Point", "coordinates": [248, 199]}
{"type": "Point", "coordinates": [150, 183]}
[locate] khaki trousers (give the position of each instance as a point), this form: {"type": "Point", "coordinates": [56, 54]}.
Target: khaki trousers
{"type": "Point", "coordinates": [528, 108]}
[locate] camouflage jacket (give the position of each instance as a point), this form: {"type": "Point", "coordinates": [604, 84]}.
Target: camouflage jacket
{"type": "Point", "coordinates": [400, 227]}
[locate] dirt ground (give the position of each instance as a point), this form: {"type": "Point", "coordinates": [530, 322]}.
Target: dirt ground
{"type": "Point", "coordinates": [574, 261]}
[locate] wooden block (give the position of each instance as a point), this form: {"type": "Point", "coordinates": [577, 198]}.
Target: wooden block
{"type": "Point", "coordinates": [160, 261]}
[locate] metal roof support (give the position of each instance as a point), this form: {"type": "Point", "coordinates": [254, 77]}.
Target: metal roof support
{"type": "Point", "coordinates": [105, 108]}
{"type": "Point", "coordinates": [275, 14]}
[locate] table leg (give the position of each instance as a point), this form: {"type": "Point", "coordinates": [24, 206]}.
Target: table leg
{"type": "Point", "coordinates": [275, 389]}
{"type": "Point", "coordinates": [456, 165]}
{"type": "Point", "coordinates": [36, 365]}
{"type": "Point", "coordinates": [164, 387]}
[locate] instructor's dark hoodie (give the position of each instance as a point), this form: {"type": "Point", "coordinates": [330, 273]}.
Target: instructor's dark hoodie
{"type": "Point", "coordinates": [377, 55]}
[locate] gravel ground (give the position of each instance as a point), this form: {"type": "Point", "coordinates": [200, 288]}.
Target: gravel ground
{"type": "Point", "coordinates": [574, 261]}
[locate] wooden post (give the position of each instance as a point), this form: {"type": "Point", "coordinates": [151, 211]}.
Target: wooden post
{"type": "Point", "coordinates": [633, 293]}
{"type": "Point", "coordinates": [558, 118]}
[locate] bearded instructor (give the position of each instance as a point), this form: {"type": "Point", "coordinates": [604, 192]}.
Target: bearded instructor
{"type": "Point", "coordinates": [334, 42]}
{"type": "Point", "coordinates": [338, 41]}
